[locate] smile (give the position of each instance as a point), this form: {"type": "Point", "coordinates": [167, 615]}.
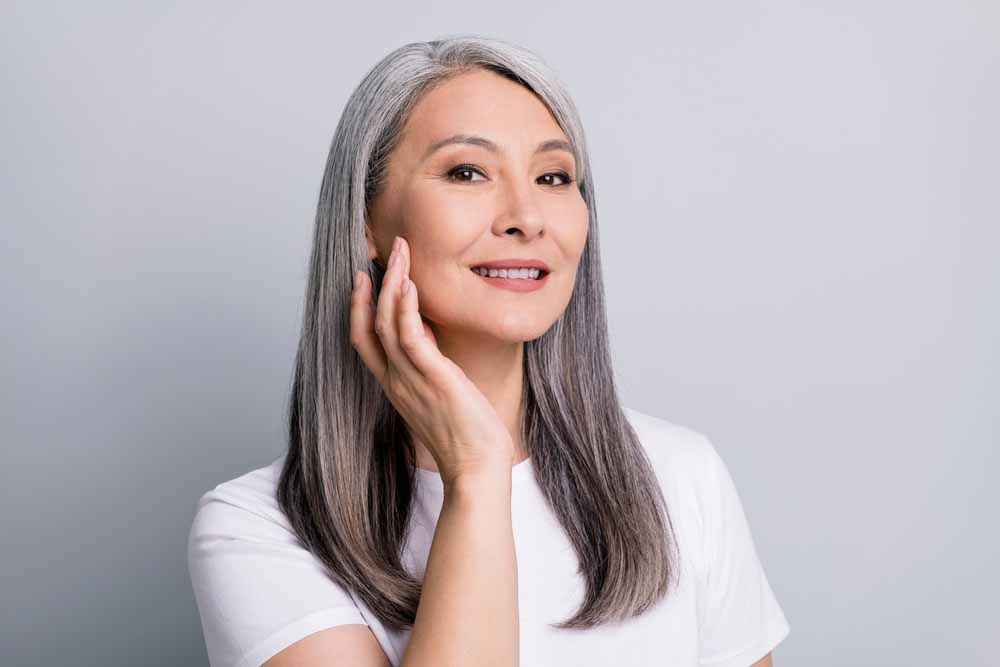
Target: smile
{"type": "Point", "coordinates": [516, 280]}
{"type": "Point", "coordinates": [523, 274]}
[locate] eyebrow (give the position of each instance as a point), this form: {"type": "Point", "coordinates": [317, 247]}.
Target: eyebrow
{"type": "Point", "coordinates": [483, 142]}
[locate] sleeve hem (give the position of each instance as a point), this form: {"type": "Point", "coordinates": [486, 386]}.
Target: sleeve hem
{"type": "Point", "coordinates": [297, 630]}
{"type": "Point", "coordinates": [745, 657]}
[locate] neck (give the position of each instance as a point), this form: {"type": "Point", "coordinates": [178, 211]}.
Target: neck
{"type": "Point", "coordinates": [497, 369]}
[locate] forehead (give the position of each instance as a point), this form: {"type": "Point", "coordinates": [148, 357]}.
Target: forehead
{"type": "Point", "coordinates": [483, 103]}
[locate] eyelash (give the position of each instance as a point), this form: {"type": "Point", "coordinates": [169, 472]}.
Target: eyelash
{"type": "Point", "coordinates": [468, 167]}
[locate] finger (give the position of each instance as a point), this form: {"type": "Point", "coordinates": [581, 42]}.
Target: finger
{"type": "Point", "coordinates": [413, 340]}
{"type": "Point", "coordinates": [385, 318]}
{"type": "Point", "coordinates": [363, 337]}
{"type": "Point", "coordinates": [426, 329]}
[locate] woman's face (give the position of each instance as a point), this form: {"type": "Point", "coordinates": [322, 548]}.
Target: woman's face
{"type": "Point", "coordinates": [508, 204]}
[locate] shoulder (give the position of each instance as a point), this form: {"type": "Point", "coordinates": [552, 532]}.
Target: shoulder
{"type": "Point", "coordinates": [686, 464]}
{"type": "Point", "coordinates": [258, 589]}
{"type": "Point", "coordinates": [244, 507]}
{"type": "Point", "coordinates": [673, 449]}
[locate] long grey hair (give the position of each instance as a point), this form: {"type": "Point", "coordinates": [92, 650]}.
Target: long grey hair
{"type": "Point", "coordinates": [347, 477]}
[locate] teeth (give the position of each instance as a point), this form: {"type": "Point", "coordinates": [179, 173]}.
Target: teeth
{"type": "Point", "coordinates": [523, 274]}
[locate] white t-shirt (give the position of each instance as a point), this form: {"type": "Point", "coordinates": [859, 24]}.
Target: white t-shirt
{"type": "Point", "coordinates": [258, 590]}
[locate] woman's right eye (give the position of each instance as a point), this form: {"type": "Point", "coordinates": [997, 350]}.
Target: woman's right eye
{"type": "Point", "coordinates": [464, 169]}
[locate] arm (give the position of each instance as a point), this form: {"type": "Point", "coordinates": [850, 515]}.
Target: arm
{"type": "Point", "coordinates": [468, 611]}
{"type": "Point", "coordinates": [468, 606]}
{"type": "Point", "coordinates": [467, 614]}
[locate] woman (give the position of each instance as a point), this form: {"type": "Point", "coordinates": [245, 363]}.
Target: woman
{"type": "Point", "coordinates": [462, 485]}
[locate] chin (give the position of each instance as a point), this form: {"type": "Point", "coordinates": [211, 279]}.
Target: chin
{"type": "Point", "coordinates": [521, 327]}
{"type": "Point", "coordinates": [505, 323]}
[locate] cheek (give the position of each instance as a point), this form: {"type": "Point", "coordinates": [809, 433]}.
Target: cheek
{"type": "Point", "coordinates": [583, 227]}
{"type": "Point", "coordinates": [574, 224]}
{"type": "Point", "coordinates": [442, 286]}
{"type": "Point", "coordinates": [439, 227]}
{"type": "Point", "coordinates": [453, 299]}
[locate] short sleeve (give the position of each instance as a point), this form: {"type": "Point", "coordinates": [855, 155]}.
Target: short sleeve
{"type": "Point", "coordinates": [257, 589]}
{"type": "Point", "coordinates": [740, 620]}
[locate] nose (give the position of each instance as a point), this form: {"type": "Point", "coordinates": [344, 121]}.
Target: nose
{"type": "Point", "coordinates": [520, 212]}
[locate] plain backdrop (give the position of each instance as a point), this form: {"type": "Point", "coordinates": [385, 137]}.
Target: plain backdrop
{"type": "Point", "coordinates": [798, 205]}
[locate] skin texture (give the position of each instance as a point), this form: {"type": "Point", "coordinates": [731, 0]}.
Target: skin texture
{"type": "Point", "coordinates": [511, 205]}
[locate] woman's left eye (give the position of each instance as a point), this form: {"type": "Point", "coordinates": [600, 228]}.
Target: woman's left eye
{"type": "Point", "coordinates": [468, 168]}
{"type": "Point", "coordinates": [561, 174]}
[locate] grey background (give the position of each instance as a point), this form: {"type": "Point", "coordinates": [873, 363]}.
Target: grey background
{"type": "Point", "coordinates": [798, 204]}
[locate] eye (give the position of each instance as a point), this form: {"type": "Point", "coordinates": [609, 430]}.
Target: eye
{"type": "Point", "coordinates": [561, 174]}
{"type": "Point", "coordinates": [470, 169]}
{"type": "Point", "coordinates": [463, 169]}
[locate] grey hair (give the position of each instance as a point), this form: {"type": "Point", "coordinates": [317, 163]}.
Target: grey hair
{"type": "Point", "coordinates": [347, 480]}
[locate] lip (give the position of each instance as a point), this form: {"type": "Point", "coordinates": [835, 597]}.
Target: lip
{"type": "Point", "coordinates": [514, 284]}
